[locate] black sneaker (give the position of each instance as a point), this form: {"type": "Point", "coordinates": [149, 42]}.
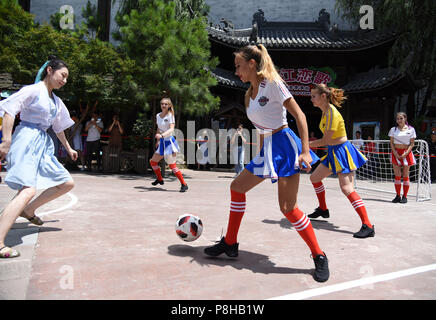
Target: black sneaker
{"type": "Point", "coordinates": [222, 247]}
{"type": "Point", "coordinates": [365, 232]}
{"type": "Point", "coordinates": [319, 212]}
{"type": "Point", "coordinates": [397, 199]}
{"type": "Point", "coordinates": [403, 199]}
{"type": "Point", "coordinates": [322, 272]}
{"type": "Point", "coordinates": [183, 187]}
{"type": "Point", "coordinates": [157, 181]}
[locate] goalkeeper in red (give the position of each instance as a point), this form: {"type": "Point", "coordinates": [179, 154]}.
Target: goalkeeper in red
{"type": "Point", "coordinates": [342, 157]}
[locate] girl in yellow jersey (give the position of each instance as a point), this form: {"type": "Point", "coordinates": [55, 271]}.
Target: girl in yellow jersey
{"type": "Point", "coordinates": [342, 157]}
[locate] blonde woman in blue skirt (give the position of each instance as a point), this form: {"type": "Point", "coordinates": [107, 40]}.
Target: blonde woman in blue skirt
{"type": "Point", "coordinates": [31, 164]}
{"type": "Point", "coordinates": [282, 154]}
{"type": "Point", "coordinates": [342, 157]}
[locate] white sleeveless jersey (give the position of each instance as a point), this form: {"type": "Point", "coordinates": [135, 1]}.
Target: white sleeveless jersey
{"type": "Point", "coordinates": [266, 111]}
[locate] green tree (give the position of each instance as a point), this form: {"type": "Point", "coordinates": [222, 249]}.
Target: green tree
{"type": "Point", "coordinates": [172, 55]}
{"type": "Point", "coordinates": [414, 49]}
{"type": "Point", "coordinates": [14, 23]}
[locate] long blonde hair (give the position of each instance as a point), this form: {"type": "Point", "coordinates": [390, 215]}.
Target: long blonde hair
{"type": "Point", "coordinates": [334, 96]}
{"type": "Point", "coordinates": [171, 106]}
{"type": "Point", "coordinates": [264, 64]}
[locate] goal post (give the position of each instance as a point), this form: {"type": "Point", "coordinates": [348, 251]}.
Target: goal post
{"type": "Point", "coordinates": [378, 175]}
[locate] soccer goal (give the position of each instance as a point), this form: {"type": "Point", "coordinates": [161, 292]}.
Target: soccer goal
{"type": "Point", "coordinates": [378, 175]}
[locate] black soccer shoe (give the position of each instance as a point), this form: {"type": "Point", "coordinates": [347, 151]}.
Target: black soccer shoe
{"type": "Point", "coordinates": [319, 212]}
{"type": "Point", "coordinates": [403, 199]}
{"type": "Point", "coordinates": [183, 187]}
{"type": "Point", "coordinates": [222, 247]}
{"type": "Point", "coordinates": [397, 199]}
{"type": "Point", "coordinates": [365, 232]}
{"type": "Point", "coordinates": [322, 272]}
{"type": "Point", "coordinates": [157, 181]}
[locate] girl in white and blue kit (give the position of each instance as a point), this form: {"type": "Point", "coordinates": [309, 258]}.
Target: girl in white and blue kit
{"type": "Point", "coordinates": [168, 146]}
{"type": "Point", "coordinates": [31, 164]}
{"type": "Point", "coordinates": [282, 153]}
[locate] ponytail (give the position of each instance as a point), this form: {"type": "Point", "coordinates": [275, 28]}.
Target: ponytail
{"type": "Point", "coordinates": [334, 96]}
{"type": "Point", "coordinates": [264, 65]}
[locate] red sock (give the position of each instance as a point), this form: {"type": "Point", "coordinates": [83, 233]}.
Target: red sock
{"type": "Point", "coordinates": [304, 227]}
{"type": "Point", "coordinates": [156, 169]}
{"type": "Point", "coordinates": [398, 185]}
{"type": "Point", "coordinates": [237, 210]}
{"type": "Point", "coordinates": [177, 173]}
{"type": "Point", "coordinates": [406, 186]}
{"type": "Point", "coordinates": [320, 193]}
{"type": "Point", "coordinates": [359, 206]}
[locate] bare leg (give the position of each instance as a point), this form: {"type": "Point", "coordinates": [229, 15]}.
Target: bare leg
{"type": "Point", "coordinates": [13, 210]}
{"type": "Point", "coordinates": [47, 196]}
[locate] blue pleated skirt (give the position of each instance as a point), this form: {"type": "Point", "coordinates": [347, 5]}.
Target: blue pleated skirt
{"type": "Point", "coordinates": [31, 161]}
{"type": "Point", "coordinates": [167, 146]}
{"type": "Point", "coordinates": [343, 158]}
{"type": "Point", "coordinates": [278, 156]}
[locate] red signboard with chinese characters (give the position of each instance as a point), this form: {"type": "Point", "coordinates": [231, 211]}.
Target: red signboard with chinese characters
{"type": "Point", "coordinates": [301, 80]}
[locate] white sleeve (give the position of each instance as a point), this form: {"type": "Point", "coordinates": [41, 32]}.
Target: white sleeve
{"type": "Point", "coordinates": [63, 120]}
{"type": "Point", "coordinates": [391, 132]}
{"type": "Point", "coordinates": [413, 134]}
{"type": "Point", "coordinates": [171, 119]}
{"type": "Point", "coordinates": [16, 102]}
{"type": "Point", "coordinates": [280, 91]}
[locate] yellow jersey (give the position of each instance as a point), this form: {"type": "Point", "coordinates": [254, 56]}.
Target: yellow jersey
{"type": "Point", "coordinates": [332, 120]}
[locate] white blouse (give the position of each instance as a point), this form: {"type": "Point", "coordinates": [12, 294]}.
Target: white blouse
{"type": "Point", "coordinates": [266, 111]}
{"type": "Point", "coordinates": [402, 137]}
{"type": "Point", "coordinates": [164, 123]}
{"type": "Point", "coordinates": [35, 105]}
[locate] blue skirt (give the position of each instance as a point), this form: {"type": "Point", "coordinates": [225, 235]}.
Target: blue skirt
{"type": "Point", "coordinates": [167, 146]}
{"type": "Point", "coordinates": [31, 161]}
{"type": "Point", "coordinates": [279, 156]}
{"type": "Point", "coordinates": [343, 158]}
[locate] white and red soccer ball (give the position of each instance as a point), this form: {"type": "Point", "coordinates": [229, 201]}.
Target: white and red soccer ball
{"type": "Point", "coordinates": [189, 227]}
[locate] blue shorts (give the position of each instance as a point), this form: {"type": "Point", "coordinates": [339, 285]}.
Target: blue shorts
{"type": "Point", "coordinates": [167, 146]}
{"type": "Point", "coordinates": [279, 156]}
{"type": "Point", "coordinates": [343, 158]}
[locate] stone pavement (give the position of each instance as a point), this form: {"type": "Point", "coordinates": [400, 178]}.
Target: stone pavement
{"type": "Point", "coordinates": [113, 237]}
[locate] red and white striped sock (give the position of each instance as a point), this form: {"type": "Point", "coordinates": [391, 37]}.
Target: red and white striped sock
{"type": "Point", "coordinates": [237, 210]}
{"type": "Point", "coordinates": [156, 169]}
{"type": "Point", "coordinates": [177, 173]}
{"type": "Point", "coordinates": [398, 185]}
{"type": "Point", "coordinates": [302, 224]}
{"type": "Point", "coordinates": [406, 186]}
{"type": "Point", "coordinates": [320, 193]}
{"type": "Point", "coordinates": [359, 206]}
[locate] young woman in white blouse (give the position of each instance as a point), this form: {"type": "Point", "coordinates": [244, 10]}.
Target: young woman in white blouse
{"type": "Point", "coordinates": [167, 146]}
{"type": "Point", "coordinates": [402, 141]}
{"type": "Point", "coordinates": [282, 154]}
{"type": "Point", "coordinates": [31, 164]}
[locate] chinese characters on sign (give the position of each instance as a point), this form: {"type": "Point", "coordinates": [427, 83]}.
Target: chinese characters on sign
{"type": "Point", "coordinates": [300, 80]}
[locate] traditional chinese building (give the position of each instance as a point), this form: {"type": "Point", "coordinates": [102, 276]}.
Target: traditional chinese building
{"type": "Point", "coordinates": [316, 52]}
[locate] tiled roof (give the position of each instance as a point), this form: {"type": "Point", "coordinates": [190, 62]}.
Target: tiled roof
{"type": "Point", "coordinates": [372, 80]}
{"type": "Point", "coordinates": [228, 78]}
{"type": "Point", "coordinates": [360, 82]}
{"type": "Point", "coordinates": [300, 36]}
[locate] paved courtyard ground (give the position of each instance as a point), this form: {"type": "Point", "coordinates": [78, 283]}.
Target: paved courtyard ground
{"type": "Point", "coordinates": [113, 237]}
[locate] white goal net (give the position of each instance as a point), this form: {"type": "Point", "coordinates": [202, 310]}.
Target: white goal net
{"type": "Point", "coordinates": [378, 174]}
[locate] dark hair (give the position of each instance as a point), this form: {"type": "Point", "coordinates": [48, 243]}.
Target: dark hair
{"type": "Point", "coordinates": [55, 63]}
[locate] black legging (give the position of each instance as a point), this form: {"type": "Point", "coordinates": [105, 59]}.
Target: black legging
{"type": "Point", "coordinates": [91, 148]}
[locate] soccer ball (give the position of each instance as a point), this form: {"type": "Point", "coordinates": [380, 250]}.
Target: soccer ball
{"type": "Point", "coordinates": [189, 227]}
